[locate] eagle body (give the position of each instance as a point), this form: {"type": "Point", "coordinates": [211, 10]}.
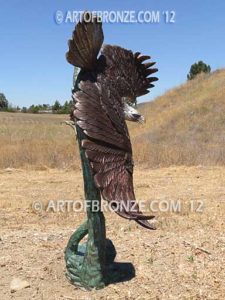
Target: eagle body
{"type": "Point", "coordinates": [108, 85]}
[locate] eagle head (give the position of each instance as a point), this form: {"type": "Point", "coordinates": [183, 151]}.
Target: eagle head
{"type": "Point", "coordinates": [132, 114]}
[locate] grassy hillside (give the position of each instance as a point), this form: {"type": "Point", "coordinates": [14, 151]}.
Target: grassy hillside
{"type": "Point", "coordinates": [36, 141]}
{"type": "Point", "coordinates": [186, 126]}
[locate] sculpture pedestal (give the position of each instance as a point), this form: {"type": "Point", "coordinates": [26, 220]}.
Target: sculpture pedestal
{"type": "Point", "coordinates": [86, 272]}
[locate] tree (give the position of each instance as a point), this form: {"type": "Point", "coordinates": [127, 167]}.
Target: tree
{"type": "Point", "coordinates": [3, 102]}
{"type": "Point", "coordinates": [66, 108]}
{"type": "Point", "coordinates": [24, 109]}
{"type": "Point", "coordinates": [56, 106]}
{"type": "Point", "coordinates": [34, 109]}
{"type": "Point", "coordinates": [197, 68]}
{"type": "Point", "coordinates": [45, 106]}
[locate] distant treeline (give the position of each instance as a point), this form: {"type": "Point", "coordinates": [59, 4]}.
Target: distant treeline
{"type": "Point", "coordinates": [56, 108]}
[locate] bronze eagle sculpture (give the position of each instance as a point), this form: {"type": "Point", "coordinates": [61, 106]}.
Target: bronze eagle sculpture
{"type": "Point", "coordinates": [109, 83]}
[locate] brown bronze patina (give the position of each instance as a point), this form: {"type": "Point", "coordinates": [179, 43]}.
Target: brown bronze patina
{"type": "Point", "coordinates": [106, 85]}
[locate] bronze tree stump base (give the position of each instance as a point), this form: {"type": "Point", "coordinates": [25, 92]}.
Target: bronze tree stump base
{"type": "Point", "coordinates": [87, 274]}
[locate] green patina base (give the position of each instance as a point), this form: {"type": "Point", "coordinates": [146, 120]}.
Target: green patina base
{"type": "Point", "coordinates": [87, 273]}
{"type": "Point", "coordinates": [91, 265]}
{"type": "Point", "coordinates": [85, 268]}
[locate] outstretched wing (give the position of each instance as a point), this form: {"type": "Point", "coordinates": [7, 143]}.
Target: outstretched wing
{"type": "Point", "coordinates": [86, 42]}
{"type": "Point", "coordinates": [99, 112]}
{"type": "Point", "coordinates": [130, 71]}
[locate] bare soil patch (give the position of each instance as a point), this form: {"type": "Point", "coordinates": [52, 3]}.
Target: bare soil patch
{"type": "Point", "coordinates": [183, 259]}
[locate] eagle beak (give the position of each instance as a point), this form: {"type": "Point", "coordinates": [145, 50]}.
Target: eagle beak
{"type": "Point", "coordinates": [141, 119]}
{"type": "Point", "coordinates": [132, 114]}
{"type": "Point", "coordinates": [138, 118]}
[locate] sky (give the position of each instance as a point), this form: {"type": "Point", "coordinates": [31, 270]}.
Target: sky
{"type": "Point", "coordinates": [33, 68]}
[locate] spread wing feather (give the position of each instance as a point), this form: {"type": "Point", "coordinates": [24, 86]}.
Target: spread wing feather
{"type": "Point", "coordinates": [86, 43]}
{"type": "Point", "coordinates": [99, 112]}
{"type": "Point", "coordinates": [128, 70]}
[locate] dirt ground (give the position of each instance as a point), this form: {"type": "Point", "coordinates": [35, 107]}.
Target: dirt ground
{"type": "Point", "coordinates": [183, 259]}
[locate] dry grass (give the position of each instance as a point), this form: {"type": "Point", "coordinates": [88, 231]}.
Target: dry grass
{"type": "Point", "coordinates": [184, 127]}
{"type": "Point", "coordinates": [36, 141]}
{"type": "Point", "coordinates": [170, 262]}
